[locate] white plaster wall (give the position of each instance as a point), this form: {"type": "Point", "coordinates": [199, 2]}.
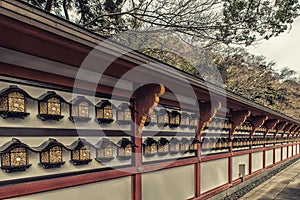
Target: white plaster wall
{"type": "Point", "coordinates": [269, 157]}
{"type": "Point", "coordinates": [213, 174]}
{"type": "Point", "coordinates": [243, 159]}
{"type": "Point", "coordinates": [257, 161]}
{"type": "Point", "coordinates": [298, 149]}
{"type": "Point", "coordinates": [284, 151]}
{"type": "Point", "coordinates": [170, 184]}
{"type": "Point", "coordinates": [36, 170]}
{"type": "Point", "coordinates": [277, 155]}
{"type": "Point", "coordinates": [290, 148]}
{"type": "Point", "coordinates": [116, 189]}
{"type": "Point", "coordinates": [294, 150]}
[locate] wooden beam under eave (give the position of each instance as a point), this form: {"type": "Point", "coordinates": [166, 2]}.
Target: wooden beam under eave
{"type": "Point", "coordinates": [238, 117]}
{"type": "Point", "coordinates": [147, 99]}
{"type": "Point", "coordinates": [270, 124]}
{"type": "Point", "coordinates": [207, 112]}
{"type": "Point", "coordinates": [257, 121]}
{"type": "Point", "coordinates": [293, 128]}
{"type": "Point", "coordinates": [279, 127]}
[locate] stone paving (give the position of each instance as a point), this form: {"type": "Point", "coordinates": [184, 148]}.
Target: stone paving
{"type": "Point", "coordinates": [282, 186]}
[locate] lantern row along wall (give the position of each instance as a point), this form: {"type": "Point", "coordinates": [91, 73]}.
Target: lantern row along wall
{"type": "Point", "coordinates": [213, 144]}
{"type": "Point", "coordinates": [164, 146]}
{"type": "Point", "coordinates": [13, 104]}
{"type": "Point", "coordinates": [15, 154]}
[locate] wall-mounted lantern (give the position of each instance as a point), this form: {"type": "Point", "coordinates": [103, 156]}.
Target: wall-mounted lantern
{"type": "Point", "coordinates": [185, 145]}
{"type": "Point", "coordinates": [151, 119]}
{"type": "Point", "coordinates": [194, 121]}
{"type": "Point", "coordinates": [185, 120]}
{"type": "Point", "coordinates": [163, 147]}
{"type": "Point", "coordinates": [49, 106]}
{"type": "Point", "coordinates": [80, 152]}
{"type": "Point", "coordinates": [14, 156]}
{"type": "Point", "coordinates": [125, 149]}
{"type": "Point", "coordinates": [162, 118]}
{"type": "Point", "coordinates": [51, 154]}
{"type": "Point", "coordinates": [205, 144]}
{"type": "Point", "coordinates": [194, 145]}
{"type": "Point", "coordinates": [80, 110]}
{"type": "Point", "coordinates": [174, 146]}
{"type": "Point", "coordinates": [174, 119]}
{"type": "Point", "coordinates": [13, 102]}
{"type": "Point", "coordinates": [105, 150]}
{"type": "Point", "coordinates": [150, 147]}
{"type": "Point", "coordinates": [104, 112]}
{"type": "Point", "coordinates": [124, 115]}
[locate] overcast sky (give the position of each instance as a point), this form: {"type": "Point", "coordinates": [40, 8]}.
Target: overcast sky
{"type": "Point", "coordinates": [284, 49]}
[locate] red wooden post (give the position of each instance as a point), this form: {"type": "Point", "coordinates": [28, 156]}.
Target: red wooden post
{"type": "Point", "coordinates": [146, 99]}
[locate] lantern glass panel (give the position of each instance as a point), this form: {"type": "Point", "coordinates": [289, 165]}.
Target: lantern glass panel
{"type": "Point", "coordinates": [185, 120]}
{"type": "Point", "coordinates": [128, 150]}
{"type": "Point", "coordinates": [106, 152]}
{"type": "Point", "coordinates": [175, 147]}
{"type": "Point", "coordinates": [84, 109]}
{"type": "Point", "coordinates": [55, 154]}
{"type": "Point", "coordinates": [3, 103]}
{"type": "Point", "coordinates": [45, 157]}
{"type": "Point", "coordinates": [18, 156]}
{"type": "Point", "coordinates": [163, 148]}
{"type": "Point", "coordinates": [16, 102]}
{"type": "Point", "coordinates": [151, 149]}
{"type": "Point", "coordinates": [185, 146]}
{"type": "Point", "coordinates": [105, 112]}
{"type": "Point", "coordinates": [5, 159]}
{"type": "Point", "coordinates": [85, 153]}
{"type": "Point", "coordinates": [153, 117]}
{"type": "Point", "coordinates": [54, 106]}
{"type": "Point", "coordinates": [194, 146]}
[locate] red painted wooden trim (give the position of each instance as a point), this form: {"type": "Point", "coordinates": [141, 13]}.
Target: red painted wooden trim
{"type": "Point", "coordinates": [250, 163]}
{"type": "Point", "coordinates": [137, 178]}
{"type": "Point", "coordinates": [215, 157]}
{"type": "Point", "coordinates": [10, 191]}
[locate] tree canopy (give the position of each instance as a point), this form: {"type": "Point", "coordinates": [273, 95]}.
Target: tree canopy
{"type": "Point", "coordinates": [226, 21]}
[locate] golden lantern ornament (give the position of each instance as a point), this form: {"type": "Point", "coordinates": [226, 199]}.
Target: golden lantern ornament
{"type": "Point", "coordinates": [194, 121]}
{"type": "Point", "coordinates": [80, 152]}
{"type": "Point", "coordinates": [80, 110]}
{"type": "Point", "coordinates": [49, 105]}
{"type": "Point", "coordinates": [163, 147]}
{"type": "Point", "coordinates": [149, 147]}
{"type": "Point", "coordinates": [13, 102]}
{"type": "Point", "coordinates": [104, 112]}
{"type": "Point", "coordinates": [162, 118]}
{"type": "Point", "coordinates": [124, 115]}
{"type": "Point", "coordinates": [174, 146]}
{"type": "Point", "coordinates": [125, 149]}
{"type": "Point", "coordinates": [151, 119]}
{"type": "Point", "coordinates": [184, 146]}
{"type": "Point", "coordinates": [14, 156]}
{"type": "Point", "coordinates": [174, 119]}
{"type": "Point", "coordinates": [185, 120]}
{"type": "Point", "coordinates": [51, 154]}
{"type": "Point", "coordinates": [194, 145]}
{"type": "Point", "coordinates": [105, 150]}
